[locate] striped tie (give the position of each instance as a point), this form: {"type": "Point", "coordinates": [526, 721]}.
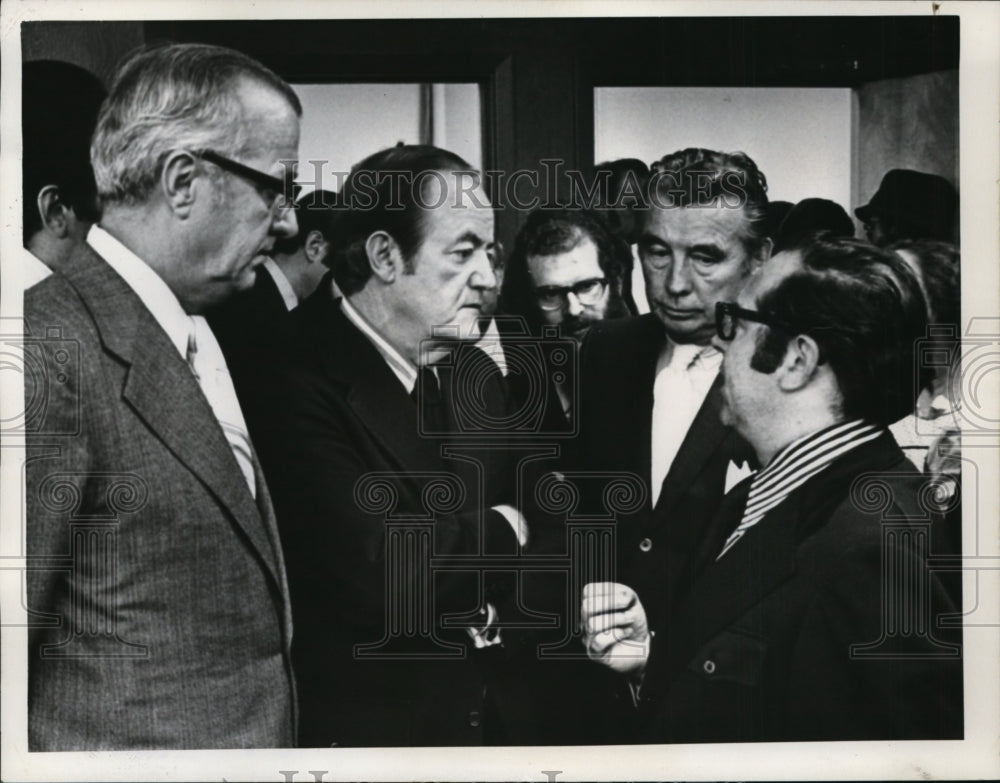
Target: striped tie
{"type": "Point", "coordinates": [209, 367]}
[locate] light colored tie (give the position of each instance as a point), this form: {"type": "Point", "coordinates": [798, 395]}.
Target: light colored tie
{"type": "Point", "coordinates": [676, 403]}
{"type": "Point", "coordinates": [209, 367]}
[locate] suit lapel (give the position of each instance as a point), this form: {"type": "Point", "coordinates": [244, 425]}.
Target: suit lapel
{"type": "Point", "coordinates": [754, 567]}
{"type": "Point", "coordinates": [370, 388]}
{"type": "Point", "coordinates": [622, 431]}
{"type": "Point", "coordinates": [161, 389]}
{"type": "Point", "coordinates": [703, 437]}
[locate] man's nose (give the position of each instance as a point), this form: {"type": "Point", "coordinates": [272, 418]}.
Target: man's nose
{"type": "Point", "coordinates": [573, 306]}
{"type": "Point", "coordinates": [679, 277]}
{"type": "Point", "coordinates": [285, 223]}
{"type": "Point", "coordinates": [484, 275]}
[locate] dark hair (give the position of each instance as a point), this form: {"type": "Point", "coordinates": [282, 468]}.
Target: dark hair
{"type": "Point", "coordinates": [864, 309]}
{"type": "Point", "coordinates": [315, 211]}
{"type": "Point", "coordinates": [547, 232]}
{"type": "Point", "coordinates": [379, 195]}
{"type": "Point", "coordinates": [59, 111]}
{"type": "Point", "coordinates": [939, 268]}
{"type": "Point", "coordinates": [620, 208]}
{"type": "Point", "coordinates": [701, 177]}
{"type": "Point", "coordinates": [810, 216]}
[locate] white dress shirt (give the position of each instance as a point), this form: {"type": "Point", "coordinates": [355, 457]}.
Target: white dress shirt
{"type": "Point", "coordinates": [684, 374]}
{"type": "Point", "coordinates": [33, 269]}
{"type": "Point", "coordinates": [280, 279]}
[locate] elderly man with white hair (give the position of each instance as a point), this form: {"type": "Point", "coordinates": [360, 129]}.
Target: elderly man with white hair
{"type": "Point", "coordinates": [156, 586]}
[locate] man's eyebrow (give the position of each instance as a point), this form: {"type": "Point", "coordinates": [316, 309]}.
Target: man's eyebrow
{"type": "Point", "coordinates": [471, 237]}
{"type": "Point", "coordinates": [648, 239]}
{"type": "Point", "coordinates": [708, 249]}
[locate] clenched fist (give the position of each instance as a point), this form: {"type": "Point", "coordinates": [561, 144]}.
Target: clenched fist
{"type": "Point", "coordinates": [614, 627]}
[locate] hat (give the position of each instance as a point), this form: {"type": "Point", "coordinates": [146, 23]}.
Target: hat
{"type": "Point", "coordinates": [924, 202]}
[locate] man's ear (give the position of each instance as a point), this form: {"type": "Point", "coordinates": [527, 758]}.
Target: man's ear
{"type": "Point", "coordinates": [179, 182]}
{"type": "Point", "coordinates": [800, 364]}
{"type": "Point", "coordinates": [316, 247]}
{"type": "Point", "coordinates": [763, 253]}
{"type": "Point", "coordinates": [53, 211]}
{"type": "Point", "coordinates": [384, 256]}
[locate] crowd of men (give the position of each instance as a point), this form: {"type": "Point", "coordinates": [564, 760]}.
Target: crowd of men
{"type": "Point", "coordinates": [334, 472]}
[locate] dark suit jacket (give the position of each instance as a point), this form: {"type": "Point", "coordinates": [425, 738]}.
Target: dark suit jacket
{"type": "Point", "coordinates": [761, 647]}
{"type": "Point", "coordinates": [335, 415]}
{"type": "Point", "coordinates": [156, 586]}
{"type": "Point", "coordinates": [243, 324]}
{"type": "Point", "coordinates": [656, 547]}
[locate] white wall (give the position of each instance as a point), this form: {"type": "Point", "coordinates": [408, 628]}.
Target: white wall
{"type": "Point", "coordinates": [799, 137]}
{"type": "Point", "coordinates": [344, 123]}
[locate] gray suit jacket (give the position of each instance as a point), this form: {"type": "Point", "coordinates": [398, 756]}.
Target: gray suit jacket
{"type": "Point", "coordinates": [159, 613]}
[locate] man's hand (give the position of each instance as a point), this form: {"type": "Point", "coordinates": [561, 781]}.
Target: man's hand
{"type": "Point", "coordinates": [614, 627]}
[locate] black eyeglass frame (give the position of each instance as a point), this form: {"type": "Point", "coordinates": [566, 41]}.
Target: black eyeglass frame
{"type": "Point", "coordinates": [268, 182]}
{"type": "Point", "coordinates": [733, 312]}
{"type": "Point", "coordinates": [561, 292]}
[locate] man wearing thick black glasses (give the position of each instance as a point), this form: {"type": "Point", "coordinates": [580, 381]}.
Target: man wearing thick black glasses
{"type": "Point", "coordinates": [803, 626]}
{"type": "Point", "coordinates": [169, 625]}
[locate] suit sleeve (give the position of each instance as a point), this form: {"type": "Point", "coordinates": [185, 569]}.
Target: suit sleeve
{"type": "Point", "coordinates": [57, 461]}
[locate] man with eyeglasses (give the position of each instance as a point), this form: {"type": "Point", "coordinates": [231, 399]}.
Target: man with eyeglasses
{"type": "Point", "coordinates": [817, 617]}
{"type": "Point", "coordinates": [156, 584]}
{"type": "Point", "coordinates": [566, 270]}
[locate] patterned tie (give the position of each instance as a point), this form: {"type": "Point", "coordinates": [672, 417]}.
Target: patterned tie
{"type": "Point", "coordinates": [209, 367]}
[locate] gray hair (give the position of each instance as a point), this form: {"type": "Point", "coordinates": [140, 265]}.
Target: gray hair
{"type": "Point", "coordinates": [169, 97]}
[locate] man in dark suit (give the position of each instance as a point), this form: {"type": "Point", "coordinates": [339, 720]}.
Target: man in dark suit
{"type": "Point", "coordinates": [650, 391]}
{"type": "Point", "coordinates": [799, 629]}
{"type": "Point", "coordinates": [359, 435]}
{"type": "Point", "coordinates": [159, 608]}
{"type": "Point", "coordinates": [253, 318]}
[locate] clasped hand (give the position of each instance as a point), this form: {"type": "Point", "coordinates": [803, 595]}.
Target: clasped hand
{"type": "Point", "coordinates": [615, 631]}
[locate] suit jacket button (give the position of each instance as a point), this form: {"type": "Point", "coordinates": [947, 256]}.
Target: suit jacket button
{"type": "Point", "coordinates": [474, 719]}
{"type": "Point", "coordinates": [645, 545]}
{"type": "Point", "coordinates": [709, 667]}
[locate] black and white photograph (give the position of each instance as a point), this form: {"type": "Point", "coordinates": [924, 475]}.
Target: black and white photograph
{"type": "Point", "coordinates": [479, 391]}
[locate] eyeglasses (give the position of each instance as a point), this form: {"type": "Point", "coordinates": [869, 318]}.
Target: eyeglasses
{"type": "Point", "coordinates": [728, 314]}
{"type": "Point", "coordinates": [588, 293]}
{"type": "Point", "coordinates": [271, 187]}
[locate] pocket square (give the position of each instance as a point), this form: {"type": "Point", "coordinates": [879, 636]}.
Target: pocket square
{"type": "Point", "coordinates": [736, 473]}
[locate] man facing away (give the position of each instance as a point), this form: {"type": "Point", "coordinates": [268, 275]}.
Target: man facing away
{"type": "Point", "coordinates": [156, 584]}
{"type": "Point", "coordinates": [798, 629]}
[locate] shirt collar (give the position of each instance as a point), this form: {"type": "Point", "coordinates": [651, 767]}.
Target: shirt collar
{"type": "Point", "coordinates": [490, 344]}
{"type": "Point", "coordinates": [281, 281]}
{"type": "Point", "coordinates": [686, 356]}
{"type": "Point", "coordinates": [151, 289]}
{"type": "Point", "coordinates": [820, 448]}
{"type": "Point", "coordinates": [403, 369]}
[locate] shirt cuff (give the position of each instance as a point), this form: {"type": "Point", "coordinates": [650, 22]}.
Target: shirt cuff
{"type": "Point", "coordinates": [516, 521]}
{"type": "Point", "coordinates": [487, 635]}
